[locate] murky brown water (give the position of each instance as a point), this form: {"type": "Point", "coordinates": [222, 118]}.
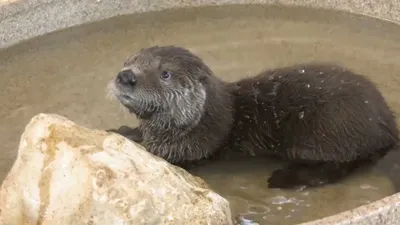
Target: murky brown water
{"type": "Point", "coordinates": [67, 72]}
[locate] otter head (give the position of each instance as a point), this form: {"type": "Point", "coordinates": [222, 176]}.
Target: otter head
{"type": "Point", "coordinates": [163, 85]}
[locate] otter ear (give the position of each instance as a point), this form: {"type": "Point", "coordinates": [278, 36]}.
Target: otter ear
{"type": "Point", "coordinates": [203, 78]}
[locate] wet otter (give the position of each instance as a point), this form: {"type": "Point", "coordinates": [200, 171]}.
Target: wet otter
{"type": "Point", "coordinates": [322, 118]}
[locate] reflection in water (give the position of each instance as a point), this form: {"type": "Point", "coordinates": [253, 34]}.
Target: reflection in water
{"type": "Point", "coordinates": [244, 183]}
{"type": "Point", "coordinates": [67, 73]}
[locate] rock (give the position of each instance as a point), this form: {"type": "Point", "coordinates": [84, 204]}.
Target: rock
{"type": "Point", "coordinates": [68, 174]}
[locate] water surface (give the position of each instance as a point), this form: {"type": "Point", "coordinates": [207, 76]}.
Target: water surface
{"type": "Point", "coordinates": [66, 72]}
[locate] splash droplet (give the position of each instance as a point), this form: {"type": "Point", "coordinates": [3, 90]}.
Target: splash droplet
{"type": "Point", "coordinates": [308, 85]}
{"type": "Point", "coordinates": [367, 186]}
{"type": "Point", "coordinates": [280, 200]}
{"type": "Point", "coordinates": [301, 114]}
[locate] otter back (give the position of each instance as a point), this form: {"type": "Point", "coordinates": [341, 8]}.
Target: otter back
{"type": "Point", "coordinates": [312, 114]}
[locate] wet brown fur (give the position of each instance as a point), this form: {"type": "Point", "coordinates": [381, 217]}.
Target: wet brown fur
{"type": "Point", "coordinates": [323, 118]}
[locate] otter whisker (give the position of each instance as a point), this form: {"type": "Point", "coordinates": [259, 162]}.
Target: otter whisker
{"type": "Point", "coordinates": [111, 92]}
{"type": "Point", "coordinates": [125, 111]}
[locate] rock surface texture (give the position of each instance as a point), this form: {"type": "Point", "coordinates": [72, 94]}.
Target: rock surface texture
{"type": "Point", "coordinates": [68, 174]}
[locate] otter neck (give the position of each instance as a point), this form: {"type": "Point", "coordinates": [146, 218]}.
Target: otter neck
{"type": "Point", "coordinates": [207, 131]}
{"type": "Point", "coordinates": [181, 114]}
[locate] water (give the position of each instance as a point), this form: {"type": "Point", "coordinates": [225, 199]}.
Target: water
{"type": "Point", "coordinates": [67, 72]}
{"type": "Point", "coordinates": [244, 184]}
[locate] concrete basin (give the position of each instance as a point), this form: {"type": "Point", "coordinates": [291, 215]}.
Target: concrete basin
{"type": "Point", "coordinates": [24, 19]}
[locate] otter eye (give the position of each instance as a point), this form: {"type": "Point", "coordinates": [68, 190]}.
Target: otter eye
{"type": "Point", "coordinates": [166, 75]}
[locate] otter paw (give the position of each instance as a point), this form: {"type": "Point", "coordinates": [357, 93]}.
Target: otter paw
{"type": "Point", "coordinates": [281, 179]}
{"type": "Point", "coordinates": [292, 178]}
{"type": "Point", "coordinates": [121, 130]}
{"type": "Point", "coordinates": [131, 133]}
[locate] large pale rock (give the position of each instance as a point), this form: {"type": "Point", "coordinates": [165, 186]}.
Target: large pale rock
{"type": "Point", "coordinates": [68, 174]}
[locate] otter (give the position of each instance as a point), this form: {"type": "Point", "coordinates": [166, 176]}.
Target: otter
{"type": "Point", "coordinates": [322, 118]}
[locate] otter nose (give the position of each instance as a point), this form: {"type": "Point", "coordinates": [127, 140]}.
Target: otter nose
{"type": "Point", "coordinates": [126, 77]}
